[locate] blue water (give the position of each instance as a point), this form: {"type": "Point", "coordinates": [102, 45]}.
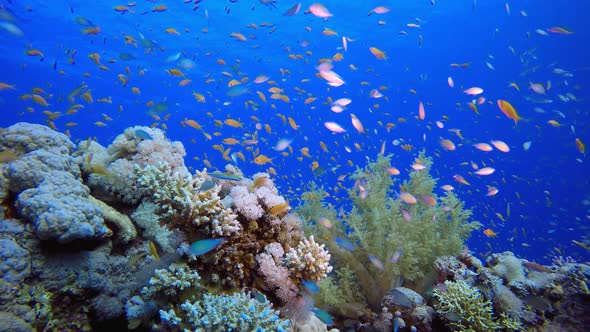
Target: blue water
{"type": "Point", "coordinates": [545, 187]}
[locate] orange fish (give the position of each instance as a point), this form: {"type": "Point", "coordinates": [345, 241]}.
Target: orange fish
{"type": "Point", "coordinates": [581, 146]}
{"type": "Point", "coordinates": [233, 123]}
{"type": "Point", "coordinates": [378, 53]}
{"type": "Point", "coordinates": [5, 86]}
{"type": "Point", "coordinates": [91, 31]}
{"type": "Point", "coordinates": [508, 110]}
{"type": "Point", "coordinates": [159, 8]}
{"type": "Point", "coordinates": [489, 233]}
{"type": "Point", "coordinates": [262, 159]}
{"type": "Point", "coordinates": [460, 179]}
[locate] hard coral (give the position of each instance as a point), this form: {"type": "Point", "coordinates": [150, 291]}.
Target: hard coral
{"type": "Point", "coordinates": [25, 137]}
{"type": "Point", "coordinates": [237, 312]}
{"type": "Point", "coordinates": [128, 150]}
{"type": "Point", "coordinates": [276, 276]}
{"type": "Point", "coordinates": [60, 210]}
{"type": "Point", "coordinates": [309, 261]}
{"type": "Point", "coordinates": [467, 303]}
{"type": "Point", "coordinates": [171, 282]}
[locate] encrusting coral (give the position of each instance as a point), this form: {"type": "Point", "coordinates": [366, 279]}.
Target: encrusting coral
{"type": "Point", "coordinates": [383, 240]}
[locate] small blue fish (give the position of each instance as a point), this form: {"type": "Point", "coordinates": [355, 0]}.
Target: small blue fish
{"type": "Point", "coordinates": [143, 134]}
{"type": "Point", "coordinates": [310, 286]}
{"type": "Point", "coordinates": [259, 296]}
{"type": "Point", "coordinates": [207, 184]}
{"type": "Point", "coordinates": [237, 90]}
{"type": "Point", "coordinates": [323, 315]}
{"type": "Point", "coordinates": [202, 247]}
{"type": "Point", "coordinates": [224, 176]}
{"type": "Point", "coordinates": [344, 244]}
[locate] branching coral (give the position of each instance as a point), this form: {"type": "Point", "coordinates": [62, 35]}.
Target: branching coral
{"type": "Point", "coordinates": [136, 147]}
{"type": "Point", "coordinates": [309, 261]}
{"type": "Point", "coordinates": [473, 311]}
{"type": "Point", "coordinates": [169, 190]}
{"type": "Point", "coordinates": [465, 309]}
{"type": "Point", "coordinates": [277, 277]}
{"type": "Point", "coordinates": [171, 282]}
{"type": "Point", "coordinates": [382, 239]}
{"type": "Point", "coordinates": [237, 312]}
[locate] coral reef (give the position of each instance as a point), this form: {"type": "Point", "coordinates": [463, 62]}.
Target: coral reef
{"type": "Point", "coordinates": [518, 294]}
{"type": "Point", "coordinates": [94, 234]}
{"type": "Point", "coordinates": [382, 239]}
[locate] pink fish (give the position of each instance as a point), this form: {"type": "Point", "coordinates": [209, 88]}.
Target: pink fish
{"type": "Point", "coordinates": [379, 10]}
{"type": "Point", "coordinates": [418, 167]}
{"type": "Point", "coordinates": [356, 123]}
{"type": "Point", "coordinates": [332, 78]}
{"type": "Point", "coordinates": [501, 146]}
{"type": "Point", "coordinates": [334, 127]}
{"type": "Point", "coordinates": [485, 171]}
{"type": "Point", "coordinates": [325, 221]}
{"type": "Point", "coordinates": [320, 11]}
{"type": "Point", "coordinates": [375, 94]}
{"type": "Point", "coordinates": [450, 82]}
{"type": "Point", "coordinates": [492, 191]}
{"type": "Point", "coordinates": [336, 109]}
{"type": "Point", "coordinates": [396, 256]}
{"type": "Point", "coordinates": [282, 144]}
{"type": "Point", "coordinates": [421, 112]}
{"type": "Point", "coordinates": [537, 88]}
{"type": "Point", "coordinates": [474, 91]}
{"type": "Point", "coordinates": [342, 101]}
{"type": "Point", "coordinates": [483, 147]}
{"type": "Point", "coordinates": [392, 170]}
{"type": "Point", "coordinates": [293, 10]}
{"type": "Point", "coordinates": [376, 262]}
{"type": "Point", "coordinates": [428, 200]}
{"type": "Point", "coordinates": [406, 215]}
{"type": "Point", "coordinates": [407, 198]}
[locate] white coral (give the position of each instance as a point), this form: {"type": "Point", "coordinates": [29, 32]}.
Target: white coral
{"type": "Point", "coordinates": [309, 261]}
{"type": "Point", "coordinates": [276, 276]}
{"type": "Point", "coordinates": [172, 281]}
{"type": "Point", "coordinates": [246, 202]}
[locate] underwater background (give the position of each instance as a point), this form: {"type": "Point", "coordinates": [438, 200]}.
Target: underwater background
{"type": "Point", "coordinates": [309, 92]}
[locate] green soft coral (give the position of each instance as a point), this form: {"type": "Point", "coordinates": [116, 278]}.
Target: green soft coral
{"type": "Point", "coordinates": [376, 226]}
